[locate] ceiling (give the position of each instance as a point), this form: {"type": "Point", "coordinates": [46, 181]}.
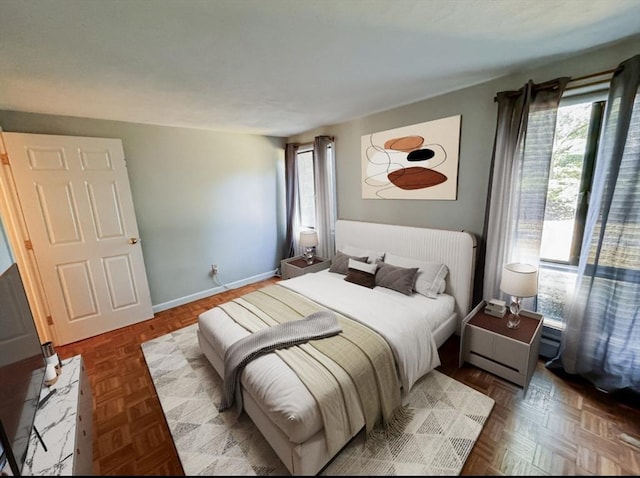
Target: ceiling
{"type": "Point", "coordinates": [278, 67]}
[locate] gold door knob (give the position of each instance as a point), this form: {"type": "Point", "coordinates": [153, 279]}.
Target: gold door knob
{"type": "Point", "coordinates": [133, 240]}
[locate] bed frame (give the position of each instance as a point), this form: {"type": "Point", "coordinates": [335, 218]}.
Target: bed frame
{"type": "Point", "coordinates": [456, 249]}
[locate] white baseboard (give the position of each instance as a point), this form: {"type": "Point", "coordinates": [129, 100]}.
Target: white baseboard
{"type": "Point", "coordinates": [209, 292]}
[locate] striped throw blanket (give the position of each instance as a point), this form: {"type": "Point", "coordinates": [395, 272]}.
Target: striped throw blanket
{"type": "Point", "coordinates": [349, 374]}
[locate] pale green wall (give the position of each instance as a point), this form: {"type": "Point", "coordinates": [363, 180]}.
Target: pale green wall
{"type": "Point", "coordinates": [478, 111]}
{"type": "Point", "coordinates": [201, 197]}
{"type": "Point", "coordinates": [6, 256]}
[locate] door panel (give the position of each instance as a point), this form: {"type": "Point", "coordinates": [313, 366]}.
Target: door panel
{"type": "Point", "coordinates": [120, 279]}
{"type": "Point", "coordinates": [105, 210]}
{"type": "Point", "coordinates": [59, 213]}
{"type": "Point", "coordinates": [77, 205]}
{"type": "Point", "coordinates": [78, 290]}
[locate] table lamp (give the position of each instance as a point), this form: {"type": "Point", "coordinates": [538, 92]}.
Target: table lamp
{"type": "Point", "coordinates": [308, 240]}
{"type": "Point", "coordinates": [519, 280]}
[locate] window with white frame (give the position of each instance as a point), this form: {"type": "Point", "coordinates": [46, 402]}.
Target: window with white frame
{"type": "Point", "coordinates": [573, 161]}
{"type": "Point", "coordinates": [311, 194]}
{"type": "Point", "coordinates": [306, 188]}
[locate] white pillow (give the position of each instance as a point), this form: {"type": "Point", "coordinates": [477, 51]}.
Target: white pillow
{"type": "Point", "coordinates": [373, 256]}
{"type": "Point", "coordinates": [431, 278]}
{"type": "Point", "coordinates": [363, 266]}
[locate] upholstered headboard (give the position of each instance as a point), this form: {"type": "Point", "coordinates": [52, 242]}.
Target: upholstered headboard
{"type": "Point", "coordinates": [456, 249]}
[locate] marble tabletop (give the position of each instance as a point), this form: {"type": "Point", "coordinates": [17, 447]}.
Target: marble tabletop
{"type": "Point", "coordinates": [56, 423]}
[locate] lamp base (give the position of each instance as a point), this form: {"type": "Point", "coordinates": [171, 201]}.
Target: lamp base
{"type": "Point", "coordinates": [514, 318]}
{"type": "Point", "coordinates": [309, 255]}
{"type": "Point", "coordinates": [513, 322]}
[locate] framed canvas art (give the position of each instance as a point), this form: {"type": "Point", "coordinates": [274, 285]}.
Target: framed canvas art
{"type": "Point", "coordinates": [412, 162]}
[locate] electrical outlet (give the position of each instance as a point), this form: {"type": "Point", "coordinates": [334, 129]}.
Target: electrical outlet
{"type": "Point", "coordinates": [214, 269]}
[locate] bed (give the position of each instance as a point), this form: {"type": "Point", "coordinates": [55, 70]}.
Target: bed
{"type": "Point", "coordinates": [273, 395]}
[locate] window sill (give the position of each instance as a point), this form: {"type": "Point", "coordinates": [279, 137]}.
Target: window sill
{"type": "Point", "coordinates": [554, 324]}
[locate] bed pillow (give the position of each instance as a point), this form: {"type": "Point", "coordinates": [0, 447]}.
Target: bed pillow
{"type": "Point", "coordinates": [431, 277]}
{"type": "Point", "coordinates": [372, 256]}
{"type": "Point", "coordinates": [340, 262]}
{"type": "Point", "coordinates": [362, 273]}
{"type": "Point", "coordinates": [401, 279]}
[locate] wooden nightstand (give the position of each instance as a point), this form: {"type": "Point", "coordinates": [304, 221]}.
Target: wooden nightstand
{"type": "Point", "coordinates": [488, 343]}
{"type": "Point", "coordinates": [297, 266]}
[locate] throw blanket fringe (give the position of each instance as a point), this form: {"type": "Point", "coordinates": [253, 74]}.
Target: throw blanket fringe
{"type": "Point", "coordinates": [317, 325]}
{"type": "Point", "coordinates": [391, 428]}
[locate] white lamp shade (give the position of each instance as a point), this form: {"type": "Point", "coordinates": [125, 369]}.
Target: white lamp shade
{"type": "Point", "coordinates": [519, 280]}
{"type": "Point", "coordinates": [308, 239]}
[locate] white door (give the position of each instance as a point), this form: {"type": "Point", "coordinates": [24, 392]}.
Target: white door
{"type": "Point", "coordinates": [77, 205]}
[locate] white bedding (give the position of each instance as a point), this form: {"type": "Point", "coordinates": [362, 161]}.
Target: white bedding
{"type": "Point", "coordinates": [405, 321]}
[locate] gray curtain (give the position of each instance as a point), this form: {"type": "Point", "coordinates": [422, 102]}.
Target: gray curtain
{"type": "Point", "coordinates": [519, 175]}
{"type": "Point", "coordinates": [324, 172]}
{"type": "Point", "coordinates": [291, 199]}
{"type": "Point", "coordinates": [324, 185]}
{"type": "Point", "coordinates": [601, 341]}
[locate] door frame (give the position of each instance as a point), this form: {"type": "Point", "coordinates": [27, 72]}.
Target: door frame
{"type": "Point", "coordinates": [17, 235]}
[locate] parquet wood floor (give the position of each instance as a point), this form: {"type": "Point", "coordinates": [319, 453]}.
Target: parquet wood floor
{"type": "Point", "coordinates": [563, 426]}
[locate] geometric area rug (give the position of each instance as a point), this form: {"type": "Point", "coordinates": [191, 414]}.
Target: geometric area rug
{"type": "Point", "coordinates": [448, 418]}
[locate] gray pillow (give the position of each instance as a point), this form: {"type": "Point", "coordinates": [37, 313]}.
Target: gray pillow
{"type": "Point", "coordinates": [340, 262]}
{"type": "Point", "coordinates": [401, 279]}
{"type": "Point", "coordinates": [431, 278]}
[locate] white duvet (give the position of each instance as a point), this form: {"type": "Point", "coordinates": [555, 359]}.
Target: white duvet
{"type": "Point", "coordinates": [394, 316]}
{"type": "Point", "coordinates": [405, 322]}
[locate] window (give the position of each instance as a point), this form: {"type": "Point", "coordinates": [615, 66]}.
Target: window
{"type": "Point", "coordinates": [311, 194]}
{"type": "Point", "coordinates": [572, 164]}
{"type": "Point", "coordinates": [306, 188]}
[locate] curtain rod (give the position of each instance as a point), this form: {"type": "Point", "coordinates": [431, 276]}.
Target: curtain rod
{"type": "Point", "coordinates": [593, 75]}
{"type": "Point", "coordinates": [598, 78]}
{"type": "Point", "coordinates": [551, 84]}
{"type": "Point", "coordinates": [602, 77]}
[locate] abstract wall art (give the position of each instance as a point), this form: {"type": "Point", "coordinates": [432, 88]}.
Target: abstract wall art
{"type": "Point", "coordinates": [413, 162]}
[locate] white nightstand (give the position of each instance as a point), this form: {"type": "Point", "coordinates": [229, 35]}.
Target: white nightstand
{"type": "Point", "coordinates": [297, 266]}
{"type": "Point", "coordinates": [488, 343]}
